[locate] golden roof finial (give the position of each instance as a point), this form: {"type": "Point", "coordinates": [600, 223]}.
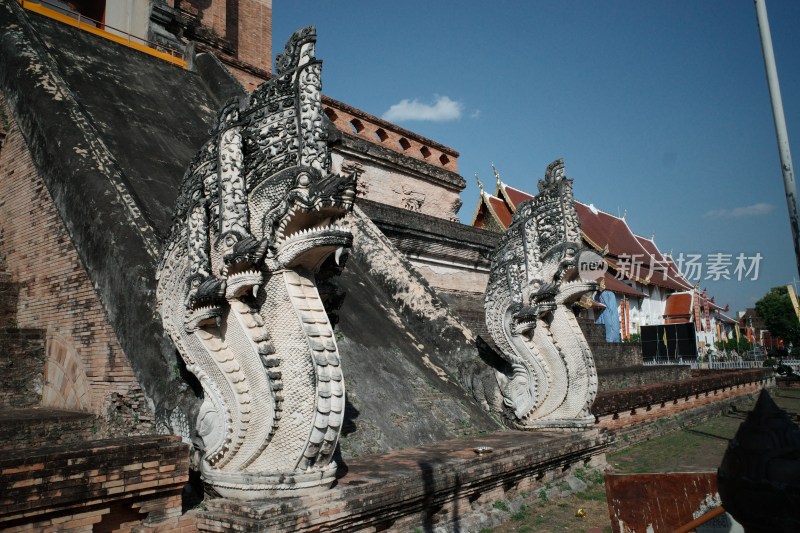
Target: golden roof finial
{"type": "Point", "coordinates": [496, 174]}
{"type": "Point", "coordinates": [624, 214]}
{"type": "Point", "coordinates": [480, 183]}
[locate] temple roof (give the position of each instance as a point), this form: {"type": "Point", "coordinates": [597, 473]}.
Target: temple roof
{"type": "Point", "coordinates": [678, 308]}
{"type": "Point", "coordinates": [512, 196]}
{"type": "Point", "coordinates": [637, 258]}
{"type": "Point", "coordinates": [618, 287]}
{"type": "Point", "coordinates": [666, 266]}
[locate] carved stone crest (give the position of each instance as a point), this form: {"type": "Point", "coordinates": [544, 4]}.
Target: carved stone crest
{"type": "Point", "coordinates": [550, 380]}
{"type": "Point", "coordinates": [255, 220]}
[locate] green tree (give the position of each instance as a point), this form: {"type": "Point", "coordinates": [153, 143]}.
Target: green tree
{"type": "Point", "coordinates": [775, 308]}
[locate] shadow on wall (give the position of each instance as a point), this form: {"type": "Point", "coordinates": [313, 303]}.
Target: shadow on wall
{"type": "Point", "coordinates": [348, 426]}
{"type": "Point", "coordinates": [431, 508]}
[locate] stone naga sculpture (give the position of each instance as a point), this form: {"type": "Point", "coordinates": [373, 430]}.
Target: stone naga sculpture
{"type": "Point", "coordinates": [255, 220]}
{"type": "Point", "coordinates": [550, 380]}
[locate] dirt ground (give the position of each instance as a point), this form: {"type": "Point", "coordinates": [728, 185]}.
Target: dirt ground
{"type": "Point", "coordinates": [693, 449]}
{"type": "Point", "coordinates": [562, 514]}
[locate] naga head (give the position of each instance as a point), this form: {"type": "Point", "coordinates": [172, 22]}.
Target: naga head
{"type": "Point", "coordinates": [533, 281]}
{"type": "Point", "coordinates": [538, 255]}
{"type": "Point", "coordinates": [260, 196]}
{"type": "Point", "coordinates": [258, 216]}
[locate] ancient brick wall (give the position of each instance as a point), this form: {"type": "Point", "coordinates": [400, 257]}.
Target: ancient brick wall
{"type": "Point", "coordinates": [642, 413]}
{"type": "Point", "coordinates": [248, 80]}
{"type": "Point", "coordinates": [254, 35]}
{"type": "Point", "coordinates": [644, 424]}
{"type": "Point", "coordinates": [22, 357]}
{"type": "Point", "coordinates": [109, 485]}
{"type": "Point", "coordinates": [27, 429]}
{"type": "Point", "coordinates": [238, 30]}
{"type": "Point", "coordinates": [452, 257]}
{"type": "Point", "coordinates": [84, 362]}
{"type": "Point", "coordinates": [625, 400]}
{"type": "Point", "coordinates": [609, 354]}
{"type": "Point", "coordinates": [392, 183]}
{"type": "Point", "coordinates": [440, 487]}
{"type": "Point", "coordinates": [375, 130]}
{"type": "Point", "coordinates": [8, 291]}
{"type": "Point", "coordinates": [633, 376]}
{"type": "Point", "coordinates": [212, 14]}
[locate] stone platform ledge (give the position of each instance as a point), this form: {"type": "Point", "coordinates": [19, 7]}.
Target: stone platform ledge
{"type": "Point", "coordinates": [441, 483]}
{"type": "Point", "coordinates": [77, 484]}
{"type": "Point", "coordinates": [34, 415]}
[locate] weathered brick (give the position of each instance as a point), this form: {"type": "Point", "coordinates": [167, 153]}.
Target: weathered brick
{"type": "Point", "coordinates": [56, 294]}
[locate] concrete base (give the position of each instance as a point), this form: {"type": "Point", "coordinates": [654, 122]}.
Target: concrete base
{"type": "Point", "coordinates": [446, 484]}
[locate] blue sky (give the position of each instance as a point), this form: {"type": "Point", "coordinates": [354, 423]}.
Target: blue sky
{"type": "Point", "coordinates": [659, 109]}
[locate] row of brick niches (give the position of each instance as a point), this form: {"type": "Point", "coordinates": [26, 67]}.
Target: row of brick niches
{"type": "Point", "coordinates": [119, 485]}
{"type": "Point", "coordinates": [377, 131]}
{"type": "Point", "coordinates": [618, 402]}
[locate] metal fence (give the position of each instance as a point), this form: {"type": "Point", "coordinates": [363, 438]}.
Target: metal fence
{"type": "Point", "coordinates": [719, 365]}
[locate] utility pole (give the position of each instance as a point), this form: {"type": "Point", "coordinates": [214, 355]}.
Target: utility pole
{"type": "Point", "coordinates": [780, 125]}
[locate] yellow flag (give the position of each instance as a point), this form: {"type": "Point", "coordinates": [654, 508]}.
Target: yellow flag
{"type": "Point", "coordinates": [793, 297]}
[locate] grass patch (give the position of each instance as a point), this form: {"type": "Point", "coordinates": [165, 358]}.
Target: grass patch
{"type": "Point", "coordinates": [595, 494]}
{"type": "Point", "coordinates": [697, 448]}
{"type": "Point", "coordinates": [501, 505]}
{"type": "Point", "coordinates": [520, 515]}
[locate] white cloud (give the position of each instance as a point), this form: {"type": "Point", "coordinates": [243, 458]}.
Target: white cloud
{"type": "Point", "coordinates": [442, 110]}
{"type": "Point", "coordinates": [739, 212]}
{"type": "Point", "coordinates": [475, 114]}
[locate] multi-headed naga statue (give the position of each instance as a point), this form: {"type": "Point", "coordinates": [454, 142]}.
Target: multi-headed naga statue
{"type": "Point", "coordinates": [255, 220]}
{"type": "Point", "coordinates": [550, 380]}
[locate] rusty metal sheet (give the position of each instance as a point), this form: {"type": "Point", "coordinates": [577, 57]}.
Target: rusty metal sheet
{"type": "Point", "coordinates": [645, 503]}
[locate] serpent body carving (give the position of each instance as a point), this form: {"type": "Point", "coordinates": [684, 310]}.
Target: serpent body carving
{"type": "Point", "coordinates": [255, 220]}
{"type": "Point", "coordinates": [550, 381]}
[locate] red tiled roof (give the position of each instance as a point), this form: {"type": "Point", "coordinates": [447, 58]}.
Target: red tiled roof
{"type": "Point", "coordinates": [499, 209]}
{"type": "Point", "coordinates": [666, 267]}
{"type": "Point", "coordinates": [660, 276]}
{"type": "Point", "coordinates": [514, 196]}
{"type": "Point", "coordinates": [601, 229]}
{"type": "Point", "coordinates": [673, 266]}
{"type": "Point", "coordinates": [678, 308]}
